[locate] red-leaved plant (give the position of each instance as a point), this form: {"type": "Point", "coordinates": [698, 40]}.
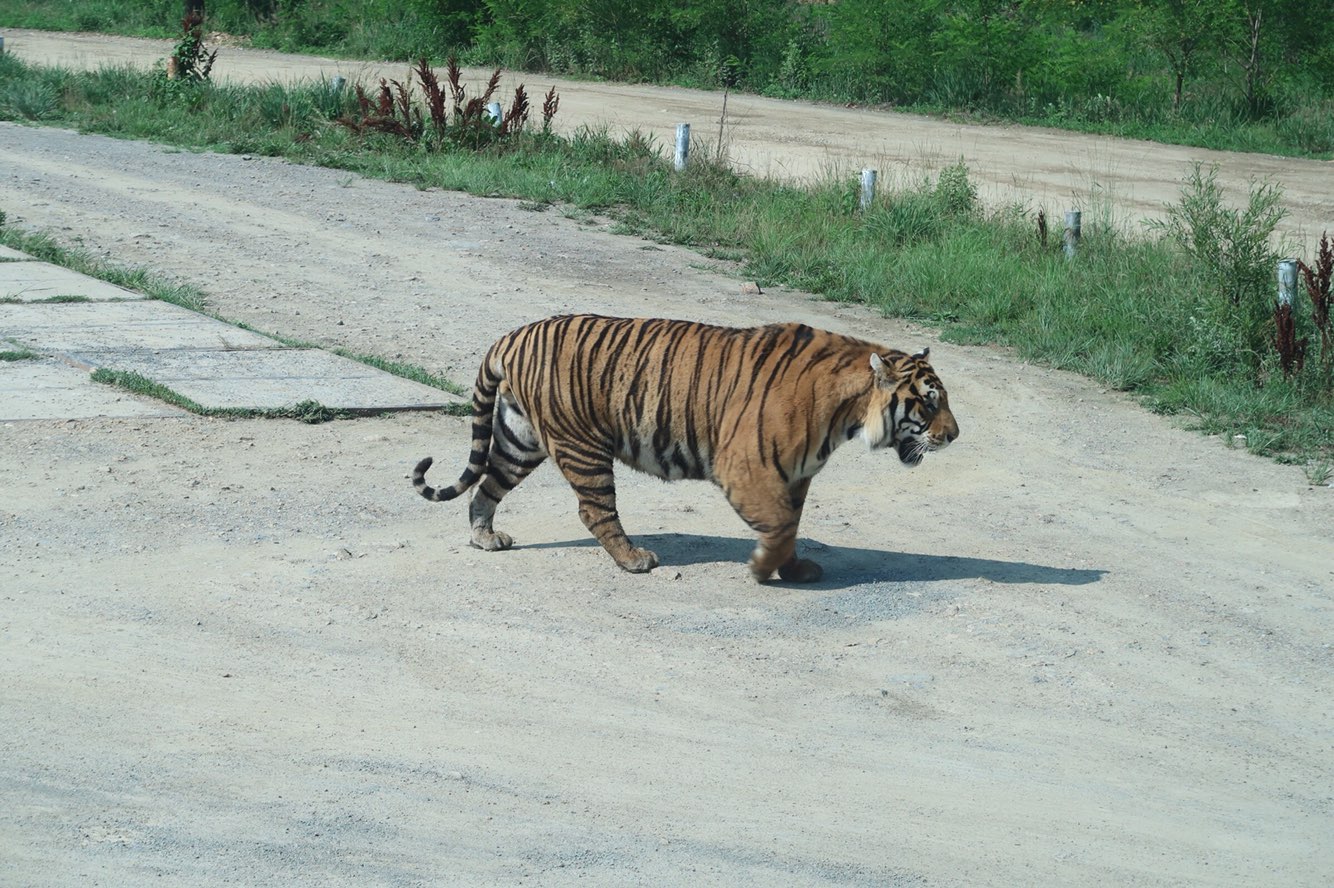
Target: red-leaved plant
{"type": "Point", "coordinates": [1317, 282]}
{"type": "Point", "coordinates": [451, 117]}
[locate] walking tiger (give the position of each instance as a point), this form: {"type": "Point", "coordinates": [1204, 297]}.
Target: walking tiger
{"type": "Point", "coordinates": [758, 411]}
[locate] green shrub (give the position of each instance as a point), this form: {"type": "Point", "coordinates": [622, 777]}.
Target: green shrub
{"type": "Point", "coordinates": [1232, 249]}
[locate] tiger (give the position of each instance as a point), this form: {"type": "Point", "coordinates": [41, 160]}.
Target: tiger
{"type": "Point", "coordinates": [758, 411]}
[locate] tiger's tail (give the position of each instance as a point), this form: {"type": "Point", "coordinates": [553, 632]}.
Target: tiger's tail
{"type": "Point", "coordinates": [483, 415]}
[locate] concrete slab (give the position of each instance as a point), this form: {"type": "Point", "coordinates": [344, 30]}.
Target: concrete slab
{"type": "Point", "coordinates": [272, 379]}
{"type": "Point", "coordinates": [210, 362]}
{"type": "Point", "coordinates": [98, 326]}
{"type": "Point", "coordinates": [9, 254]}
{"type": "Point", "coordinates": [35, 281]}
{"type": "Point", "coordinates": [48, 389]}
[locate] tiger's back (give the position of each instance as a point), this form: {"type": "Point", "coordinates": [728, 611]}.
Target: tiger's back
{"type": "Point", "coordinates": [757, 410]}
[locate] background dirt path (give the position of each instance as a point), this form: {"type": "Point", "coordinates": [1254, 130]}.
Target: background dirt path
{"type": "Point", "coordinates": [1079, 647]}
{"type": "Point", "coordinates": [1119, 180]}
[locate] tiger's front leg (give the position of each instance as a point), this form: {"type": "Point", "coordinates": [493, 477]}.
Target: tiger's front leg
{"type": "Point", "coordinates": [773, 509]}
{"type": "Point", "coordinates": [590, 474]}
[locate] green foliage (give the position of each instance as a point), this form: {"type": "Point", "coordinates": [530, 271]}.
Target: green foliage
{"type": "Point", "coordinates": [191, 60]}
{"type": "Point", "coordinates": [1231, 247]}
{"type": "Point", "coordinates": [26, 94]}
{"type": "Point", "coordinates": [29, 100]}
{"type": "Point", "coordinates": [1256, 75]}
{"type": "Point", "coordinates": [955, 193]}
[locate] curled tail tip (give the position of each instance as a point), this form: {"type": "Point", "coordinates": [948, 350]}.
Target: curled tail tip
{"type": "Point", "coordinates": [419, 479]}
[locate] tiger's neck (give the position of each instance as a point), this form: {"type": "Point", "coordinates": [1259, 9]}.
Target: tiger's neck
{"type": "Point", "coordinates": [842, 418]}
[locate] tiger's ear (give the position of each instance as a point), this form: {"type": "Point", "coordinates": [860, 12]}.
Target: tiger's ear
{"type": "Point", "coordinates": [884, 373]}
{"type": "Point", "coordinates": [923, 354]}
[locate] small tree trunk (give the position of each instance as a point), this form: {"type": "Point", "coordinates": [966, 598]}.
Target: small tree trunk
{"type": "Point", "coordinates": [1252, 64]}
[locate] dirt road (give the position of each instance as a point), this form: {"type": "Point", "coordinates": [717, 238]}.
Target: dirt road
{"type": "Point", "coordinates": [1080, 647]}
{"type": "Point", "coordinates": [1118, 181]}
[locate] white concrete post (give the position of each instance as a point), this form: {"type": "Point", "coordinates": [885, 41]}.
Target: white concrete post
{"type": "Point", "coordinates": [682, 146]}
{"type": "Point", "coordinates": [337, 83]}
{"type": "Point", "coordinates": [1071, 236]}
{"type": "Point", "coordinates": [497, 114]}
{"type": "Point", "coordinates": [868, 190]}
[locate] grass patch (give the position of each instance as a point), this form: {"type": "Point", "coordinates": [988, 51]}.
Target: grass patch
{"type": "Point", "coordinates": [402, 369]}
{"type": "Point", "coordinates": [138, 384]}
{"type": "Point", "coordinates": [47, 300]}
{"type": "Point", "coordinates": [44, 248]}
{"type": "Point", "coordinates": [1140, 313]}
{"type": "Point", "coordinates": [311, 412]}
{"type": "Point", "coordinates": [412, 372]}
{"type": "Point", "coordinates": [20, 354]}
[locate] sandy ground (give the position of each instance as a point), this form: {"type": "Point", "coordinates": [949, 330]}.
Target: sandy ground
{"type": "Point", "coordinates": [1112, 181]}
{"type": "Point", "coordinates": [1080, 647]}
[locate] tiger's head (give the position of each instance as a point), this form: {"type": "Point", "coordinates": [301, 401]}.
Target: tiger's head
{"type": "Point", "coordinates": [909, 407]}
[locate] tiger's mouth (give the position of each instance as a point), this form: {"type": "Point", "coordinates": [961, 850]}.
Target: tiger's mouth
{"type": "Point", "coordinates": [911, 451]}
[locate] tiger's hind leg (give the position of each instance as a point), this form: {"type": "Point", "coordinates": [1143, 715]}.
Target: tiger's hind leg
{"type": "Point", "coordinates": [515, 452]}
{"type": "Point", "coordinates": [589, 472]}
{"type": "Point", "coordinates": [773, 509]}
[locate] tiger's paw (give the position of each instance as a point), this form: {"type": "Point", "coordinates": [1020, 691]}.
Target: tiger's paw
{"type": "Point", "coordinates": [800, 570]}
{"type": "Point", "coordinates": [491, 541]}
{"type": "Point", "coordinates": [639, 561]}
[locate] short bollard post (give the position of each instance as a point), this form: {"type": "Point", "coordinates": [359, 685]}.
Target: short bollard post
{"type": "Point", "coordinates": [682, 146]}
{"type": "Point", "coordinates": [1287, 281]}
{"type": "Point", "coordinates": [1071, 236]}
{"type": "Point", "coordinates": [337, 83]}
{"type": "Point", "coordinates": [495, 112]}
{"type": "Point", "coordinates": [868, 190]}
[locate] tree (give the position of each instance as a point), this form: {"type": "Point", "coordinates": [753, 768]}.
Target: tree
{"type": "Point", "coordinates": [1185, 32]}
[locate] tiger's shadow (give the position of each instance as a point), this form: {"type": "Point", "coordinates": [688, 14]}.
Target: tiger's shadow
{"type": "Point", "coordinates": [849, 566]}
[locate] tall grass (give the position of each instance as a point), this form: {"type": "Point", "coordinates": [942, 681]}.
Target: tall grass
{"type": "Point", "coordinates": [1139, 313]}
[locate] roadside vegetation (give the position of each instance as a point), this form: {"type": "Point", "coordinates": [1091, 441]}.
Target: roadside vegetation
{"type": "Point", "coordinates": [1249, 75]}
{"type": "Point", "coordinates": [1186, 319]}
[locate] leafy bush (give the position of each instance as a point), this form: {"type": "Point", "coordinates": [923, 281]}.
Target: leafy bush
{"type": "Point", "coordinates": [956, 194]}
{"type": "Point", "coordinates": [1232, 248]}
{"type": "Point", "coordinates": [190, 60]}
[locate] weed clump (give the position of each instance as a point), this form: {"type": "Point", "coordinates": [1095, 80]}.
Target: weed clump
{"type": "Point", "coordinates": [1317, 282]}
{"type": "Point", "coordinates": [446, 116]}
{"type": "Point", "coordinates": [190, 60]}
